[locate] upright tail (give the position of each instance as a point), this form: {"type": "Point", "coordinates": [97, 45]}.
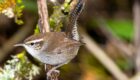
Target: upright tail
{"type": "Point", "coordinates": [71, 29]}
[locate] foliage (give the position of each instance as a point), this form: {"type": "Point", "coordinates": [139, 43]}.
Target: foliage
{"type": "Point", "coordinates": [12, 8]}
{"type": "Point", "coordinates": [122, 28]}
{"type": "Point", "coordinates": [31, 5]}
{"type": "Point", "coordinates": [19, 68]}
{"type": "Point", "coordinates": [18, 12]}
{"type": "Point", "coordinates": [6, 4]}
{"type": "Point", "coordinates": [57, 16]}
{"type": "Point", "coordinates": [36, 31]}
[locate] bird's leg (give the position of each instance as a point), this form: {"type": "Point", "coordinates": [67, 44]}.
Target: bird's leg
{"type": "Point", "coordinates": [54, 69]}
{"type": "Point", "coordinates": [53, 75]}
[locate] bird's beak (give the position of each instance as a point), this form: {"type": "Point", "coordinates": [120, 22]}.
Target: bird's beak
{"type": "Point", "coordinates": [20, 44]}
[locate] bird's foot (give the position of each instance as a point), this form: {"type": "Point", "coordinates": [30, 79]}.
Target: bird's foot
{"type": "Point", "coordinates": [49, 74]}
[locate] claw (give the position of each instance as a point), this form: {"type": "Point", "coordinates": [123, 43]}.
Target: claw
{"type": "Point", "coordinates": [49, 73]}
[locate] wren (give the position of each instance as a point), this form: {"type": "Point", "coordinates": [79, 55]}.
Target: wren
{"type": "Point", "coordinates": [56, 48]}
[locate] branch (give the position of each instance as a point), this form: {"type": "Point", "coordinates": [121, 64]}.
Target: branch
{"type": "Point", "coordinates": [136, 12]}
{"type": "Point", "coordinates": [45, 27]}
{"type": "Point", "coordinates": [115, 40]}
{"type": "Point", "coordinates": [103, 58]}
{"type": "Point", "coordinates": [54, 74]}
{"type": "Point", "coordinates": [20, 35]}
{"type": "Point", "coordinates": [43, 14]}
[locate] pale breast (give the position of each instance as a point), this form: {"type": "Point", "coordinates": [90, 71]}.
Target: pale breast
{"type": "Point", "coordinates": [60, 58]}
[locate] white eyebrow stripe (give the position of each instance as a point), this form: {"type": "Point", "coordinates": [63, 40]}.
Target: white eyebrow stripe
{"type": "Point", "coordinates": [34, 41]}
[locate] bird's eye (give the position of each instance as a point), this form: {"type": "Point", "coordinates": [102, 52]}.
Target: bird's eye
{"type": "Point", "coordinates": [32, 44]}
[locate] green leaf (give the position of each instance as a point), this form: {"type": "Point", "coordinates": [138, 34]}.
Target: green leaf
{"type": "Point", "coordinates": [36, 31]}
{"type": "Point", "coordinates": [30, 5]}
{"type": "Point", "coordinates": [19, 1]}
{"type": "Point", "coordinates": [19, 22]}
{"type": "Point", "coordinates": [18, 12]}
{"type": "Point", "coordinates": [122, 28]}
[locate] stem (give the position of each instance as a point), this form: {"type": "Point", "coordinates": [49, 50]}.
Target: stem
{"type": "Point", "coordinates": [115, 40]}
{"type": "Point", "coordinates": [136, 12]}
{"type": "Point", "coordinates": [43, 14]}
{"type": "Point", "coordinates": [45, 27]}
{"type": "Point", "coordinates": [54, 75]}
{"type": "Point", "coordinates": [103, 58]}
{"type": "Point", "coordinates": [17, 37]}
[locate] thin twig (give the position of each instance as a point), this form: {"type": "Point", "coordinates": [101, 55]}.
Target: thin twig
{"type": "Point", "coordinates": [136, 12]}
{"type": "Point", "coordinates": [103, 58]}
{"type": "Point", "coordinates": [43, 14]}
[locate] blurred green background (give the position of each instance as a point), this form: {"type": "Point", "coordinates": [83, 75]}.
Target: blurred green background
{"type": "Point", "coordinates": [116, 14]}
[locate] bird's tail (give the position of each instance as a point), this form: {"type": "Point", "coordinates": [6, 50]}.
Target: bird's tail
{"type": "Point", "coordinates": [71, 29]}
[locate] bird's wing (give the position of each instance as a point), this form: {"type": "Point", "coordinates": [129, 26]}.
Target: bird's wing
{"type": "Point", "coordinates": [58, 48]}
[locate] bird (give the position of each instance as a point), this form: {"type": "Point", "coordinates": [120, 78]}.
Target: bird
{"type": "Point", "coordinates": [56, 48]}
